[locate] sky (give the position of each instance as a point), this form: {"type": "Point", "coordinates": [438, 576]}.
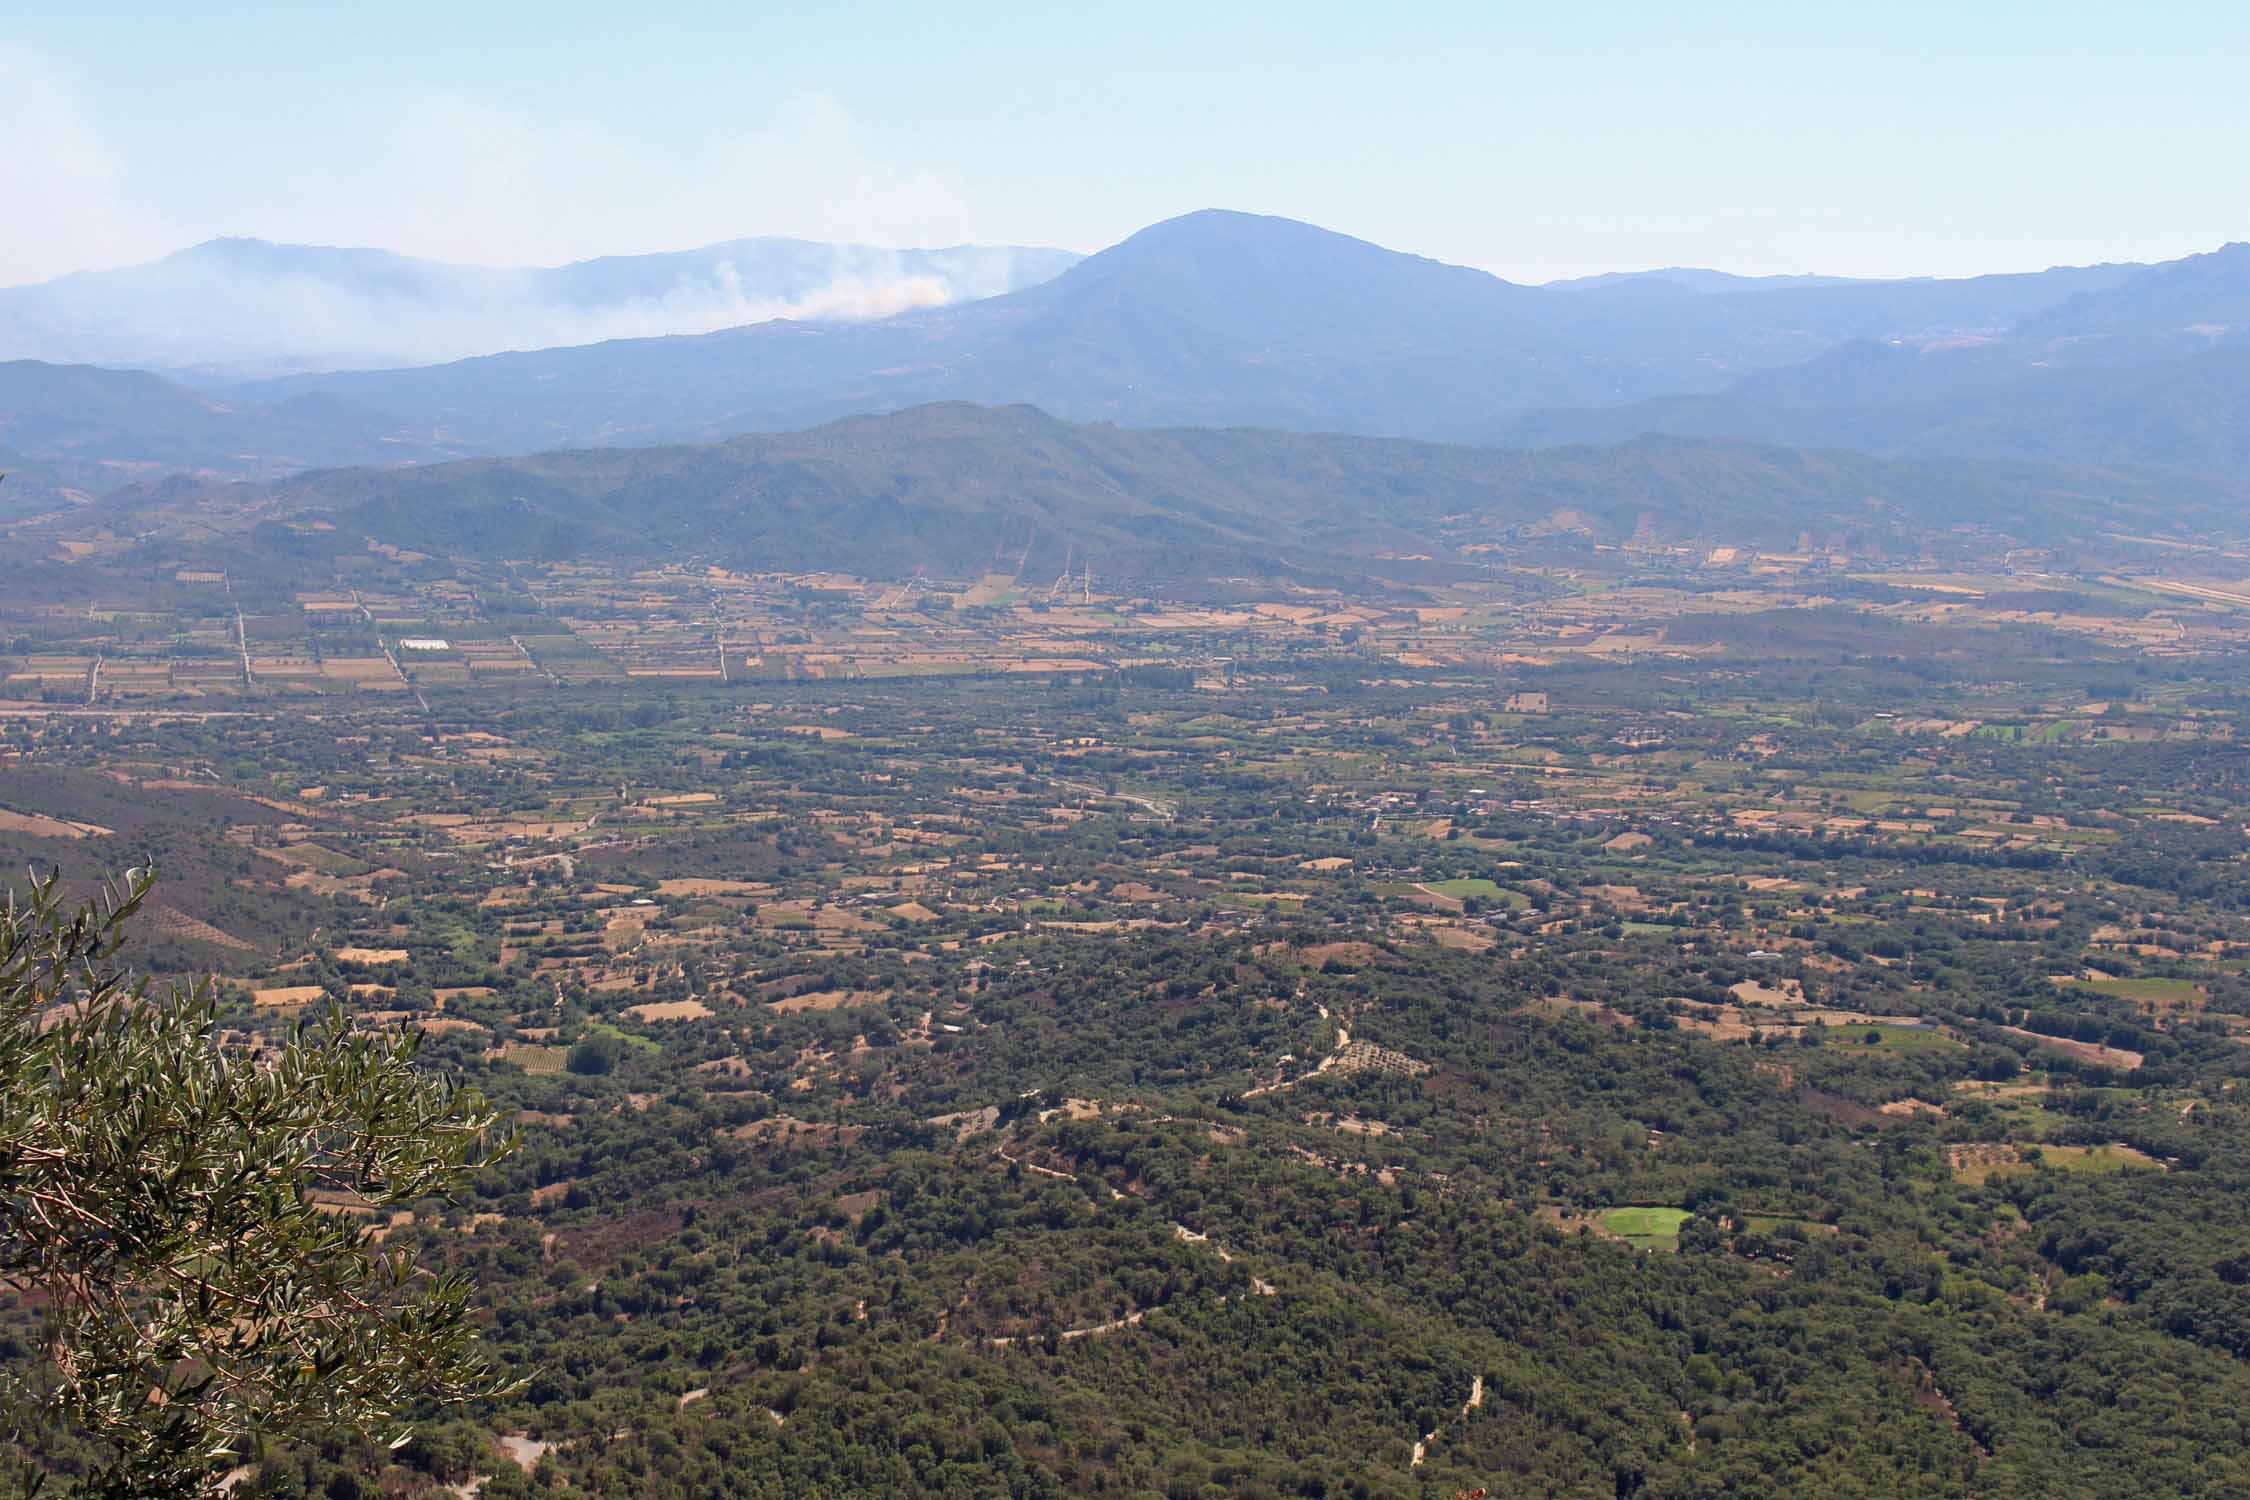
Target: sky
{"type": "Point", "coordinates": [1531, 140]}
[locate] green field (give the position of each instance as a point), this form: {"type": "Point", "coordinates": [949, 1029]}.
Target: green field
{"type": "Point", "coordinates": [2080, 1160]}
{"type": "Point", "coordinates": [1462, 890]}
{"type": "Point", "coordinates": [1647, 1228]}
{"type": "Point", "coordinates": [1893, 1038]}
{"type": "Point", "coordinates": [1874, 804]}
{"type": "Point", "coordinates": [2093, 1159]}
{"type": "Point", "coordinates": [1248, 899]}
{"type": "Point", "coordinates": [618, 1034]}
{"type": "Point", "coordinates": [2152, 991]}
{"type": "Point", "coordinates": [2024, 1119]}
{"type": "Point", "coordinates": [326, 861]}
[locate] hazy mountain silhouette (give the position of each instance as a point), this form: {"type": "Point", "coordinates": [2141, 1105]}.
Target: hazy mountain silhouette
{"type": "Point", "coordinates": [2153, 369]}
{"type": "Point", "coordinates": [2183, 306]}
{"type": "Point", "coordinates": [1699, 279]}
{"type": "Point", "coordinates": [1211, 317]}
{"type": "Point", "coordinates": [951, 487]}
{"type": "Point", "coordinates": [95, 429]}
{"type": "Point", "coordinates": [1220, 318]}
{"type": "Point", "coordinates": [239, 307]}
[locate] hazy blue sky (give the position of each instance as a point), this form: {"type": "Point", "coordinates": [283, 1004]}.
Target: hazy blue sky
{"type": "Point", "coordinates": [1532, 140]}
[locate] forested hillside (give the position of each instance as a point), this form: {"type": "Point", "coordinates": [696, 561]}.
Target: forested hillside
{"type": "Point", "coordinates": [952, 488]}
{"type": "Point", "coordinates": [1627, 1025]}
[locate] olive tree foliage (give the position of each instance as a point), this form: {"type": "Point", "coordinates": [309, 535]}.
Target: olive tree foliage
{"type": "Point", "coordinates": [173, 1207]}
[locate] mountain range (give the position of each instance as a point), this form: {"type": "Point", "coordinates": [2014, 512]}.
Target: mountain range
{"type": "Point", "coordinates": [2191, 413]}
{"type": "Point", "coordinates": [231, 309]}
{"type": "Point", "coordinates": [2154, 369]}
{"type": "Point", "coordinates": [958, 490]}
{"type": "Point", "coordinates": [1701, 279]}
{"type": "Point", "coordinates": [94, 429]}
{"type": "Point", "coordinates": [1213, 317]}
{"type": "Point", "coordinates": [1228, 319]}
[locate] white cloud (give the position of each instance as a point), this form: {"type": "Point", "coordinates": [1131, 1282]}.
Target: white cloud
{"type": "Point", "coordinates": [455, 178]}
{"type": "Point", "coordinates": [452, 178]}
{"type": "Point", "coordinates": [61, 191]}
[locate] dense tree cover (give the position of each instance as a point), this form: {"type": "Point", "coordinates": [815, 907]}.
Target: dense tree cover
{"type": "Point", "coordinates": [772, 1250]}
{"type": "Point", "coordinates": [1842, 1315]}
{"type": "Point", "coordinates": [179, 1215]}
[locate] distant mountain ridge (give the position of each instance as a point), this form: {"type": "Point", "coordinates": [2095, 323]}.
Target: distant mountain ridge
{"type": "Point", "coordinates": [30, 488]}
{"type": "Point", "coordinates": [2183, 304]}
{"type": "Point", "coordinates": [2131, 388]}
{"type": "Point", "coordinates": [96, 429]}
{"type": "Point", "coordinates": [1213, 317]}
{"type": "Point", "coordinates": [2151, 367]}
{"type": "Point", "coordinates": [1227, 319]}
{"type": "Point", "coordinates": [950, 488]}
{"type": "Point", "coordinates": [234, 308]}
{"type": "Point", "coordinates": [1702, 279]}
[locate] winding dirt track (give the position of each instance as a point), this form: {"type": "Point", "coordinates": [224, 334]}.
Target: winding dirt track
{"type": "Point", "coordinates": [1258, 1285]}
{"type": "Point", "coordinates": [1476, 1399]}
{"type": "Point", "coordinates": [1343, 1040]}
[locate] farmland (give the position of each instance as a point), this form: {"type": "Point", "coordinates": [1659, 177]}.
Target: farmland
{"type": "Point", "coordinates": [1647, 1228]}
{"type": "Point", "coordinates": [970, 1012]}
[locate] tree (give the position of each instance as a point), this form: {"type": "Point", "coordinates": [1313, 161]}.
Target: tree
{"type": "Point", "coordinates": [190, 1213]}
{"type": "Point", "coordinates": [594, 1056]}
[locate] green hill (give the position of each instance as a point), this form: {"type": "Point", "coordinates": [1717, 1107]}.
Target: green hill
{"type": "Point", "coordinates": [956, 488]}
